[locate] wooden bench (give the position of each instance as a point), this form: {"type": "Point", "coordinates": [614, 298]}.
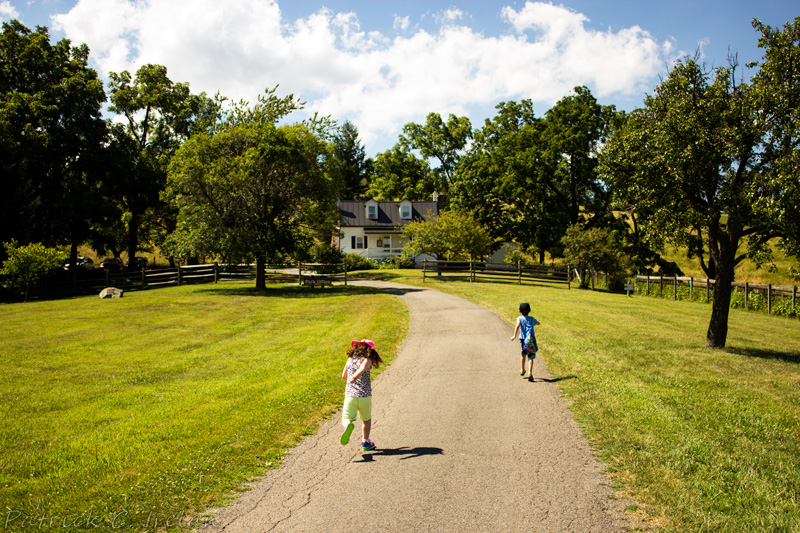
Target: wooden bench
{"type": "Point", "coordinates": [317, 282]}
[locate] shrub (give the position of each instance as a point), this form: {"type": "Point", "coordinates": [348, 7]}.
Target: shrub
{"type": "Point", "coordinates": [783, 306]}
{"type": "Point", "coordinates": [355, 261]}
{"type": "Point", "coordinates": [400, 261]}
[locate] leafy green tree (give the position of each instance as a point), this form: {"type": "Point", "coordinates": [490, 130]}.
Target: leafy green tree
{"type": "Point", "coordinates": [705, 162]}
{"type": "Point", "coordinates": [777, 86]}
{"type": "Point", "coordinates": [400, 175]}
{"type": "Point", "coordinates": [574, 130]}
{"type": "Point", "coordinates": [441, 141]}
{"type": "Point", "coordinates": [501, 180]}
{"type": "Point", "coordinates": [588, 249]}
{"type": "Point", "coordinates": [252, 190]}
{"type": "Point", "coordinates": [158, 115]}
{"type": "Point", "coordinates": [26, 265]}
{"type": "Point", "coordinates": [348, 164]}
{"type": "Point", "coordinates": [52, 138]}
{"type": "Point", "coordinates": [452, 235]}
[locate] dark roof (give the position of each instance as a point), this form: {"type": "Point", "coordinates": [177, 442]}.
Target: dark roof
{"type": "Point", "coordinates": [354, 213]}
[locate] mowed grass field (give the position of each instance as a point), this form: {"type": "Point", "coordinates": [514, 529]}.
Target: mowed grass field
{"type": "Point", "coordinates": [149, 408]}
{"type": "Point", "coordinates": [702, 439]}
{"type": "Point", "coordinates": [136, 414]}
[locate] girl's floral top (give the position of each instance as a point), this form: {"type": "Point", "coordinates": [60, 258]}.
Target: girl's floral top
{"type": "Point", "coordinates": [362, 386]}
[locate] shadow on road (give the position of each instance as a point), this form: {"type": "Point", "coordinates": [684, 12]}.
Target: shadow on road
{"type": "Point", "coordinates": [403, 452]}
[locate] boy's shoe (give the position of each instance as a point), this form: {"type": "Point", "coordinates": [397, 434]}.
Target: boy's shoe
{"type": "Point", "coordinates": [530, 378]}
{"type": "Point", "coordinates": [345, 438]}
{"type": "Point", "coordinates": [522, 373]}
{"type": "Point", "coordinates": [367, 446]}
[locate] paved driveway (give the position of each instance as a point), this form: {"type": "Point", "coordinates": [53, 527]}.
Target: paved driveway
{"type": "Point", "coordinates": [464, 444]}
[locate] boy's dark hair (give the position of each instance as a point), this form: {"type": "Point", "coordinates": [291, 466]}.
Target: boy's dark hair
{"type": "Point", "coordinates": [363, 349]}
{"type": "Point", "coordinates": [525, 308]}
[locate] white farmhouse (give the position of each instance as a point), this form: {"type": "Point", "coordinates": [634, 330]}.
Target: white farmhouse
{"type": "Point", "coordinates": [373, 229]}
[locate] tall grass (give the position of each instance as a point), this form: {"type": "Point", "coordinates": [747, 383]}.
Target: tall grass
{"type": "Point", "coordinates": [703, 439]}
{"type": "Point", "coordinates": [135, 414]}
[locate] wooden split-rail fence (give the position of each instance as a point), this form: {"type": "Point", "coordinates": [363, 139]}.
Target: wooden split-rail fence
{"type": "Point", "coordinates": [705, 286]}
{"type": "Point", "coordinates": [476, 271]}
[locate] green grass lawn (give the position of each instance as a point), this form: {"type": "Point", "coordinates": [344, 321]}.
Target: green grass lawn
{"type": "Point", "coordinates": [152, 407]}
{"type": "Point", "coordinates": [702, 439]}
{"type": "Point", "coordinates": [136, 414]}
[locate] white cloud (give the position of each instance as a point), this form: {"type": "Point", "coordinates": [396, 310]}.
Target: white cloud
{"type": "Point", "coordinates": [401, 23]}
{"type": "Point", "coordinates": [378, 81]}
{"type": "Point", "coordinates": [7, 11]}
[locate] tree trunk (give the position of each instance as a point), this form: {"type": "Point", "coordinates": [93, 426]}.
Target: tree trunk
{"type": "Point", "coordinates": [133, 234]}
{"type": "Point", "coordinates": [261, 265]}
{"type": "Point", "coordinates": [720, 307]}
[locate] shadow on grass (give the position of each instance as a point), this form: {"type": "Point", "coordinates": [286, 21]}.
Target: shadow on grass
{"type": "Point", "coordinates": [402, 452]}
{"type": "Point", "coordinates": [287, 291]}
{"type": "Point", "coordinates": [297, 291]}
{"type": "Point", "coordinates": [789, 357]}
{"type": "Point", "coordinates": [554, 380]}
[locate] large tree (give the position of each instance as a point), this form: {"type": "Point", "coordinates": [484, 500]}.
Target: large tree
{"type": "Point", "coordinates": [158, 116]}
{"type": "Point", "coordinates": [528, 179]}
{"type": "Point", "coordinates": [253, 190]}
{"type": "Point", "coordinates": [705, 165]}
{"type": "Point", "coordinates": [348, 164]}
{"type": "Point", "coordinates": [440, 141]}
{"type": "Point", "coordinates": [501, 180]}
{"type": "Point", "coordinates": [52, 139]}
{"type": "Point", "coordinates": [399, 175]}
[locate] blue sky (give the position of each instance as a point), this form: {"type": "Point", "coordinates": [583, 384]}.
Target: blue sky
{"type": "Point", "coordinates": [382, 64]}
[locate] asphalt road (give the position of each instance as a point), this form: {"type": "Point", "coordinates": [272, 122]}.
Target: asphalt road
{"type": "Point", "coordinates": [464, 444]}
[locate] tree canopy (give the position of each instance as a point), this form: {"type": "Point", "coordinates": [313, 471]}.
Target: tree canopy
{"type": "Point", "coordinates": [250, 191]}
{"type": "Point", "coordinates": [51, 138]}
{"type": "Point", "coordinates": [707, 162]}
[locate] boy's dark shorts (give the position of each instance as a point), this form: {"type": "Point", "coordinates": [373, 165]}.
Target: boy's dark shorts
{"type": "Point", "coordinates": [526, 353]}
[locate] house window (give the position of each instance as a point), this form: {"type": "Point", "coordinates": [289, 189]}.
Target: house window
{"type": "Point", "coordinates": [405, 212]}
{"type": "Point", "coordinates": [387, 242]}
{"type": "Point", "coordinates": [359, 243]}
{"type": "Point", "coordinates": [372, 212]}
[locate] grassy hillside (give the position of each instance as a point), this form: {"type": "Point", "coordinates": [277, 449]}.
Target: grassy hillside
{"type": "Point", "coordinates": [746, 271]}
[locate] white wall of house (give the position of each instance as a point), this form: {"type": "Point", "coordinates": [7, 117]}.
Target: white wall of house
{"type": "Point", "coordinates": [377, 246]}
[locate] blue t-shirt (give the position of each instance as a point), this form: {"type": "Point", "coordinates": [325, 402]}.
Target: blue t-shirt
{"type": "Point", "coordinates": [526, 326]}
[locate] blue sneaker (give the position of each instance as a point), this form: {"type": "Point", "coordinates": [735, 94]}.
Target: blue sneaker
{"type": "Point", "coordinates": [345, 438]}
{"type": "Point", "coordinates": [367, 446]}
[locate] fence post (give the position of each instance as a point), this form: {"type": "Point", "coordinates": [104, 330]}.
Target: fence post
{"type": "Point", "coordinates": [471, 271]}
{"type": "Point", "coordinates": [794, 295]}
{"type": "Point", "coordinates": [675, 288]}
{"type": "Point", "coordinates": [424, 268]}
{"type": "Point", "coordinates": [691, 286]}
{"type": "Point", "coordinates": [216, 272]}
{"type": "Point", "coordinates": [769, 299]}
{"type": "Point", "coordinates": [647, 291]}
{"type": "Point", "coordinates": [661, 285]}
{"type": "Point", "coordinates": [519, 272]}
{"type": "Point", "coordinates": [344, 267]}
{"type": "Point", "coordinates": [179, 275]}
{"type": "Point", "coordinates": [299, 273]}
{"type": "Point", "coordinates": [144, 278]}
{"type": "Point", "coordinates": [746, 293]}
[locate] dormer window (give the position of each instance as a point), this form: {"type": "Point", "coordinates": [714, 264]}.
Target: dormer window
{"type": "Point", "coordinates": [405, 210]}
{"type": "Point", "coordinates": [372, 210]}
